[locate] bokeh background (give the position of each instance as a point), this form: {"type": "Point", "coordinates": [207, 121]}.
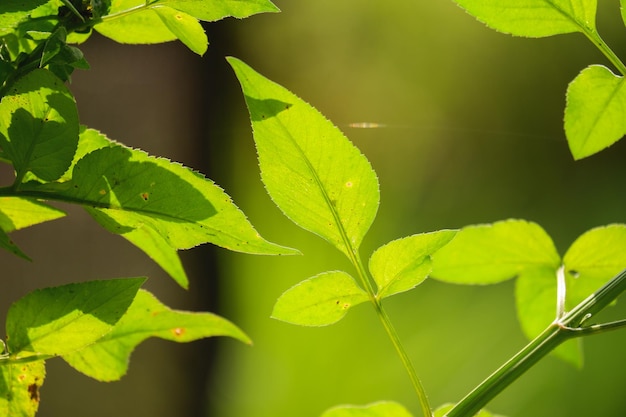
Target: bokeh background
{"type": "Point", "coordinates": [473, 134]}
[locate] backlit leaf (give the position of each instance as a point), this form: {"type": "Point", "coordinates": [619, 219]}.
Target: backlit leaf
{"type": "Point", "coordinates": [594, 114]}
{"type": "Point", "coordinates": [534, 18]}
{"type": "Point", "coordinates": [186, 28]}
{"type": "Point", "coordinates": [19, 388]}
{"type": "Point", "coordinates": [491, 253]}
{"type": "Point", "coordinates": [15, 11]}
{"type": "Point", "coordinates": [39, 126]}
{"type": "Point", "coordinates": [219, 9]}
{"type": "Point", "coordinates": [319, 301]}
{"type": "Point", "coordinates": [107, 359]}
{"type": "Point", "coordinates": [310, 169]}
{"type": "Point", "coordinates": [60, 320]}
{"type": "Point", "coordinates": [441, 412]}
{"type": "Point", "coordinates": [404, 263]}
{"type": "Point", "coordinates": [379, 409]}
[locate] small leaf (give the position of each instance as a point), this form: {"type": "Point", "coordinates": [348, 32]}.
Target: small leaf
{"type": "Point", "coordinates": [319, 301]}
{"type": "Point", "coordinates": [219, 9]}
{"type": "Point", "coordinates": [60, 320]}
{"type": "Point", "coordinates": [404, 263]}
{"type": "Point", "coordinates": [593, 259]}
{"type": "Point", "coordinates": [594, 113]}
{"type": "Point", "coordinates": [186, 28]}
{"type": "Point", "coordinates": [379, 409]}
{"type": "Point", "coordinates": [441, 412]}
{"type": "Point", "coordinates": [534, 18]}
{"type": "Point", "coordinates": [19, 388]}
{"type": "Point", "coordinates": [39, 126]}
{"type": "Point", "coordinates": [7, 244]}
{"type": "Point", "coordinates": [310, 169]}
{"type": "Point", "coordinates": [107, 359]}
{"type": "Point", "coordinates": [491, 253]}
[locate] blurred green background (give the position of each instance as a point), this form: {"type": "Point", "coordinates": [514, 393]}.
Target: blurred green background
{"type": "Point", "coordinates": [473, 134]}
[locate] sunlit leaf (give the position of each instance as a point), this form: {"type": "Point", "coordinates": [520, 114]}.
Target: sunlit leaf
{"type": "Point", "coordinates": [319, 301]}
{"type": "Point", "coordinates": [13, 12]}
{"type": "Point", "coordinates": [441, 412]}
{"type": "Point", "coordinates": [107, 359]}
{"type": "Point", "coordinates": [491, 253]}
{"type": "Point", "coordinates": [309, 168]}
{"type": "Point", "coordinates": [39, 125]}
{"type": "Point", "coordinates": [593, 259]}
{"type": "Point", "coordinates": [379, 409]}
{"type": "Point", "coordinates": [404, 263]}
{"type": "Point", "coordinates": [534, 18]}
{"type": "Point", "coordinates": [594, 114]}
{"type": "Point", "coordinates": [19, 388]}
{"type": "Point", "coordinates": [186, 28]}
{"type": "Point", "coordinates": [60, 320]}
{"type": "Point", "coordinates": [219, 9]}
{"type": "Point", "coordinates": [158, 205]}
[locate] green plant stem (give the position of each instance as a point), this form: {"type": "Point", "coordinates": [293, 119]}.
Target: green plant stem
{"type": "Point", "coordinates": [595, 38]}
{"type": "Point", "coordinates": [366, 282]}
{"type": "Point", "coordinates": [566, 327]}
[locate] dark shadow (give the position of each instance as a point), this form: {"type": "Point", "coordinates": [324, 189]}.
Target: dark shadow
{"type": "Point", "coordinates": [264, 109]}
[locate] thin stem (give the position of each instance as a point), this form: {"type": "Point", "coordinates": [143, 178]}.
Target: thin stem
{"type": "Point", "coordinates": [595, 38]}
{"type": "Point", "coordinates": [563, 328]}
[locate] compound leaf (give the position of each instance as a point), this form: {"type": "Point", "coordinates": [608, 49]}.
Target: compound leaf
{"type": "Point", "coordinates": [59, 320]}
{"type": "Point", "coordinates": [39, 126]}
{"type": "Point", "coordinates": [491, 253]}
{"type": "Point", "coordinates": [310, 169]}
{"type": "Point", "coordinates": [404, 263]}
{"type": "Point", "coordinates": [534, 18]}
{"type": "Point", "coordinates": [19, 388]}
{"type": "Point", "coordinates": [319, 301]}
{"type": "Point", "coordinates": [107, 359]}
{"type": "Point", "coordinates": [594, 113]}
{"type": "Point", "coordinates": [379, 409]}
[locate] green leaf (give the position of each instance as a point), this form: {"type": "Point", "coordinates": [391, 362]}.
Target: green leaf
{"type": "Point", "coordinates": [592, 260]}
{"type": "Point", "coordinates": [319, 301]}
{"type": "Point", "coordinates": [404, 263]}
{"type": "Point", "coordinates": [534, 18]}
{"type": "Point", "coordinates": [594, 113]}
{"type": "Point", "coordinates": [219, 9]}
{"type": "Point", "coordinates": [13, 12]}
{"type": "Point", "coordinates": [158, 205]}
{"type": "Point", "coordinates": [186, 28]}
{"type": "Point", "coordinates": [19, 388]}
{"type": "Point", "coordinates": [310, 169]}
{"type": "Point", "coordinates": [7, 244]}
{"type": "Point", "coordinates": [107, 359]}
{"type": "Point", "coordinates": [379, 409]}
{"type": "Point", "coordinates": [441, 412]}
{"type": "Point", "coordinates": [59, 320]}
{"type": "Point", "coordinates": [39, 126]}
{"type": "Point", "coordinates": [491, 253]}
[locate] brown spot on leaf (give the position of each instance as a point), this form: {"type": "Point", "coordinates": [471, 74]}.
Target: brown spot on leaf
{"type": "Point", "coordinates": [178, 331]}
{"type": "Point", "coordinates": [33, 391]}
{"type": "Point", "coordinates": [145, 196]}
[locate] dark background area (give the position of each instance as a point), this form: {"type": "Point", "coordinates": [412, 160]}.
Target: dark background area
{"type": "Point", "coordinates": [473, 134]}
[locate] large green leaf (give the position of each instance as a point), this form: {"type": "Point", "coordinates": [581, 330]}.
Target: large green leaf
{"type": "Point", "coordinates": [490, 253]}
{"type": "Point", "coordinates": [39, 126]}
{"type": "Point", "coordinates": [19, 388]}
{"type": "Point", "coordinates": [593, 259]}
{"type": "Point", "coordinates": [534, 18]}
{"type": "Point", "coordinates": [310, 169]}
{"type": "Point", "coordinates": [594, 114]}
{"type": "Point", "coordinates": [404, 263]}
{"type": "Point", "coordinates": [319, 301]}
{"type": "Point", "coordinates": [59, 320]}
{"type": "Point", "coordinates": [107, 359]}
{"type": "Point", "coordinates": [158, 205]}
{"type": "Point", "coordinates": [379, 409]}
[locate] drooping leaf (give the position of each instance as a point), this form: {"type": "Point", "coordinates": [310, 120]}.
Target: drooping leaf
{"type": "Point", "coordinates": [319, 301]}
{"type": "Point", "coordinates": [219, 9]}
{"type": "Point", "coordinates": [534, 18]}
{"type": "Point", "coordinates": [158, 205]}
{"type": "Point", "coordinates": [592, 260]}
{"type": "Point", "coordinates": [185, 27]}
{"type": "Point", "coordinates": [441, 412]}
{"type": "Point", "coordinates": [107, 359]}
{"type": "Point", "coordinates": [59, 320]}
{"type": "Point", "coordinates": [19, 388]}
{"type": "Point", "coordinates": [404, 263]}
{"type": "Point", "coordinates": [379, 409]}
{"type": "Point", "coordinates": [491, 253]}
{"type": "Point", "coordinates": [39, 126]}
{"type": "Point", "coordinates": [310, 169]}
{"type": "Point", "coordinates": [594, 113]}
